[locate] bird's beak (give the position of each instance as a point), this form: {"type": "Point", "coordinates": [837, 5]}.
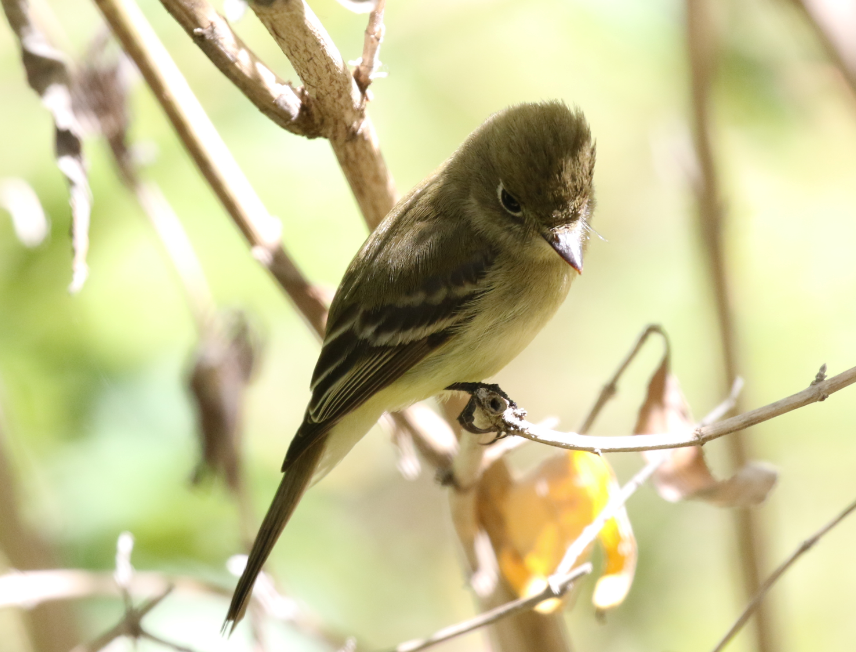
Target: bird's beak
{"type": "Point", "coordinates": [568, 243]}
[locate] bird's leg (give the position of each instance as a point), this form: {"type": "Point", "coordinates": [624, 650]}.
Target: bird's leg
{"type": "Point", "coordinates": [491, 401]}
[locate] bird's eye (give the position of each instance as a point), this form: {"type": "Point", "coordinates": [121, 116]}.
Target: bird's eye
{"type": "Point", "coordinates": [508, 201]}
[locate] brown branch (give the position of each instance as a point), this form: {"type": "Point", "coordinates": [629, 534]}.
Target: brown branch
{"type": "Point", "coordinates": [210, 154]}
{"type": "Point", "coordinates": [50, 628]}
{"type": "Point", "coordinates": [804, 547]}
{"type": "Point", "coordinates": [611, 388]}
{"type": "Point", "coordinates": [701, 43]}
{"type": "Point", "coordinates": [555, 589]}
{"type": "Point", "coordinates": [275, 98]}
{"type": "Point", "coordinates": [336, 102]}
{"type": "Point", "coordinates": [31, 588]}
{"type": "Point", "coordinates": [130, 626]}
{"type": "Point", "coordinates": [370, 61]}
{"type": "Point", "coordinates": [511, 421]}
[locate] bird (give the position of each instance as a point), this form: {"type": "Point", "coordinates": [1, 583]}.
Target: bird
{"type": "Point", "coordinates": [452, 285]}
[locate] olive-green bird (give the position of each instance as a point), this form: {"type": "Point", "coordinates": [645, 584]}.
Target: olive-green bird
{"type": "Point", "coordinates": [453, 284]}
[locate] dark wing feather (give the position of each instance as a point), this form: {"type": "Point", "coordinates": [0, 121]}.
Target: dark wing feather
{"type": "Point", "coordinates": [368, 348]}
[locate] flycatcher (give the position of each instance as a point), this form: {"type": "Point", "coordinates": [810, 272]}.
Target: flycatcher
{"type": "Point", "coordinates": [453, 284]}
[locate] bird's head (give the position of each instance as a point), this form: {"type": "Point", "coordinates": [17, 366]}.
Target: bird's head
{"type": "Point", "coordinates": [530, 169]}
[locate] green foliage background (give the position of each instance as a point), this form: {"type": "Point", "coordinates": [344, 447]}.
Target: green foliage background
{"type": "Point", "coordinates": [92, 386]}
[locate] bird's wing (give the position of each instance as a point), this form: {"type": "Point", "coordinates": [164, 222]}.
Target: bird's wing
{"type": "Point", "coordinates": [374, 336]}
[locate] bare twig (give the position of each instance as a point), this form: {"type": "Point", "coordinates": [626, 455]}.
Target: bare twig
{"type": "Point", "coordinates": [130, 626]}
{"type": "Point", "coordinates": [336, 102]}
{"type": "Point", "coordinates": [611, 388]}
{"type": "Point", "coordinates": [370, 61]}
{"type": "Point", "coordinates": [726, 406]}
{"type": "Point", "coordinates": [210, 154]}
{"type": "Point", "coordinates": [131, 623]}
{"type": "Point", "coordinates": [510, 422]}
{"type": "Point", "coordinates": [555, 589]}
{"type": "Point", "coordinates": [701, 43]}
{"type": "Point", "coordinates": [804, 547]}
{"type": "Point", "coordinates": [30, 588]}
{"type": "Point", "coordinates": [275, 98]}
{"type": "Point", "coordinates": [179, 249]}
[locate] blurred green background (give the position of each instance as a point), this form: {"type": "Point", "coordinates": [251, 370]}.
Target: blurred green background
{"type": "Point", "coordinates": [92, 387]}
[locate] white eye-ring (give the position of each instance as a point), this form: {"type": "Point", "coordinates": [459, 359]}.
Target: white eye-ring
{"type": "Point", "coordinates": [508, 201]}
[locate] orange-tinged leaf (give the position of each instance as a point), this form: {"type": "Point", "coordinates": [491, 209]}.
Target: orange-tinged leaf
{"type": "Point", "coordinates": [533, 520]}
{"type": "Point", "coordinates": [619, 549]}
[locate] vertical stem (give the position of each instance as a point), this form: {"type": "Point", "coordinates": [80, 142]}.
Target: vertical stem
{"type": "Point", "coordinates": [50, 626]}
{"type": "Point", "coordinates": [529, 631]}
{"type": "Point", "coordinates": [701, 46]}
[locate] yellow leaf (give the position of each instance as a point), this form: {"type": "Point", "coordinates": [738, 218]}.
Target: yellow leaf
{"type": "Point", "coordinates": [532, 521]}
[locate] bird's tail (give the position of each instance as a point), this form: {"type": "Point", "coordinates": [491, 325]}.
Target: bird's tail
{"type": "Point", "coordinates": [294, 484]}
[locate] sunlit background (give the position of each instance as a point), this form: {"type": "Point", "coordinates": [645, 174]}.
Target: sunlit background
{"type": "Point", "coordinates": [94, 404]}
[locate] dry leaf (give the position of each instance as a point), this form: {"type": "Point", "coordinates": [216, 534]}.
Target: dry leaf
{"type": "Point", "coordinates": [48, 75]}
{"type": "Point", "coordinates": [222, 368]}
{"type": "Point", "coordinates": [686, 475]}
{"type": "Point", "coordinates": [532, 521]}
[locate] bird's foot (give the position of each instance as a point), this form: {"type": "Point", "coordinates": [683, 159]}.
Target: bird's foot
{"type": "Point", "coordinates": [491, 402]}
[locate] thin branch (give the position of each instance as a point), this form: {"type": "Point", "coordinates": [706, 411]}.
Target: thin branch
{"type": "Point", "coordinates": [179, 249]}
{"type": "Point", "coordinates": [210, 154]}
{"type": "Point", "coordinates": [804, 547]}
{"type": "Point", "coordinates": [611, 388]}
{"type": "Point", "coordinates": [275, 98]}
{"type": "Point", "coordinates": [130, 626]}
{"type": "Point", "coordinates": [370, 61]}
{"type": "Point", "coordinates": [726, 406]}
{"type": "Point", "coordinates": [510, 421]}
{"type": "Point", "coordinates": [555, 589]}
{"type": "Point", "coordinates": [336, 102]}
{"type": "Point", "coordinates": [27, 589]}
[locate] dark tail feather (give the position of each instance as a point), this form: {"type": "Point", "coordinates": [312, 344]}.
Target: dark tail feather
{"type": "Point", "coordinates": [290, 491]}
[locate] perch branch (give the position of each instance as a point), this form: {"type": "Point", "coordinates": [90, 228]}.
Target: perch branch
{"type": "Point", "coordinates": [804, 547]}
{"type": "Point", "coordinates": [555, 589]}
{"type": "Point", "coordinates": [493, 413]}
{"type": "Point", "coordinates": [275, 98]}
{"type": "Point", "coordinates": [211, 154]}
